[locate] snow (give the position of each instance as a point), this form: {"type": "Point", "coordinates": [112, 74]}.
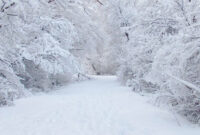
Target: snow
{"type": "Point", "coordinates": [186, 83]}
{"type": "Point", "coordinates": [100, 106]}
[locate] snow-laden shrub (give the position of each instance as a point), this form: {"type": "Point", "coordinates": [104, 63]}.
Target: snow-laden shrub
{"type": "Point", "coordinates": [36, 38]}
{"type": "Point", "coordinates": [161, 43]}
{"type": "Point", "coordinates": [46, 43]}
{"type": "Point", "coordinates": [10, 86]}
{"type": "Point", "coordinates": [176, 70]}
{"type": "Point", "coordinates": [48, 56]}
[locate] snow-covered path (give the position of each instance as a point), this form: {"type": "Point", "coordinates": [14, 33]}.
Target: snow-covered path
{"type": "Point", "coordinates": [96, 107]}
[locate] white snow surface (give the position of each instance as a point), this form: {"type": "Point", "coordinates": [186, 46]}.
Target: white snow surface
{"type": "Point", "coordinates": [96, 107]}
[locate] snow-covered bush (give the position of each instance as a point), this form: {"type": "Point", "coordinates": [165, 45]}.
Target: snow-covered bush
{"type": "Point", "coordinates": [44, 43]}
{"type": "Point", "coordinates": [175, 69]}
{"type": "Point", "coordinates": [10, 86]}
{"type": "Point", "coordinates": [161, 51]}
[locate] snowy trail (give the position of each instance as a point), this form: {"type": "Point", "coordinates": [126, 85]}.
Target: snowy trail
{"type": "Point", "coordinates": [96, 107]}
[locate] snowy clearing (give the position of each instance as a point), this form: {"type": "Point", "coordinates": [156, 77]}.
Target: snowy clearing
{"type": "Point", "coordinates": [95, 107]}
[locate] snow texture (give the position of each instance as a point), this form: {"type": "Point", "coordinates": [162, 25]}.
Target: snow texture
{"type": "Point", "coordinates": [96, 107]}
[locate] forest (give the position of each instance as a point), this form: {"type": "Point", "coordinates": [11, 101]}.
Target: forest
{"type": "Point", "coordinates": [152, 46]}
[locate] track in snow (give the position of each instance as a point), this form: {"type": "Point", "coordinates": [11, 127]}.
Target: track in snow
{"type": "Point", "coordinates": [97, 107]}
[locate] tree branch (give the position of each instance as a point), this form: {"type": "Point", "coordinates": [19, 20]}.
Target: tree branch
{"type": "Point", "coordinates": [100, 2]}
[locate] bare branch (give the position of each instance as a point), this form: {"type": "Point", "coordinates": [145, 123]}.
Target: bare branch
{"type": "Point", "coordinates": [2, 7]}
{"type": "Point", "coordinates": [181, 6]}
{"type": "Point", "coordinates": [100, 2]}
{"type": "Point", "coordinates": [11, 14]}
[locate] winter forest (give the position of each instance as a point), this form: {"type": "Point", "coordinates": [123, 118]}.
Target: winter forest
{"type": "Point", "coordinates": [131, 54]}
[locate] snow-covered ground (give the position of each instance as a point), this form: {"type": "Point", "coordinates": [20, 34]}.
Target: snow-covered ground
{"type": "Point", "coordinates": [95, 107]}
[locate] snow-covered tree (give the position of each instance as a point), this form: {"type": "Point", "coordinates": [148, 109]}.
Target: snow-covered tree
{"type": "Point", "coordinates": [45, 43]}
{"type": "Point", "coordinates": [160, 51]}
